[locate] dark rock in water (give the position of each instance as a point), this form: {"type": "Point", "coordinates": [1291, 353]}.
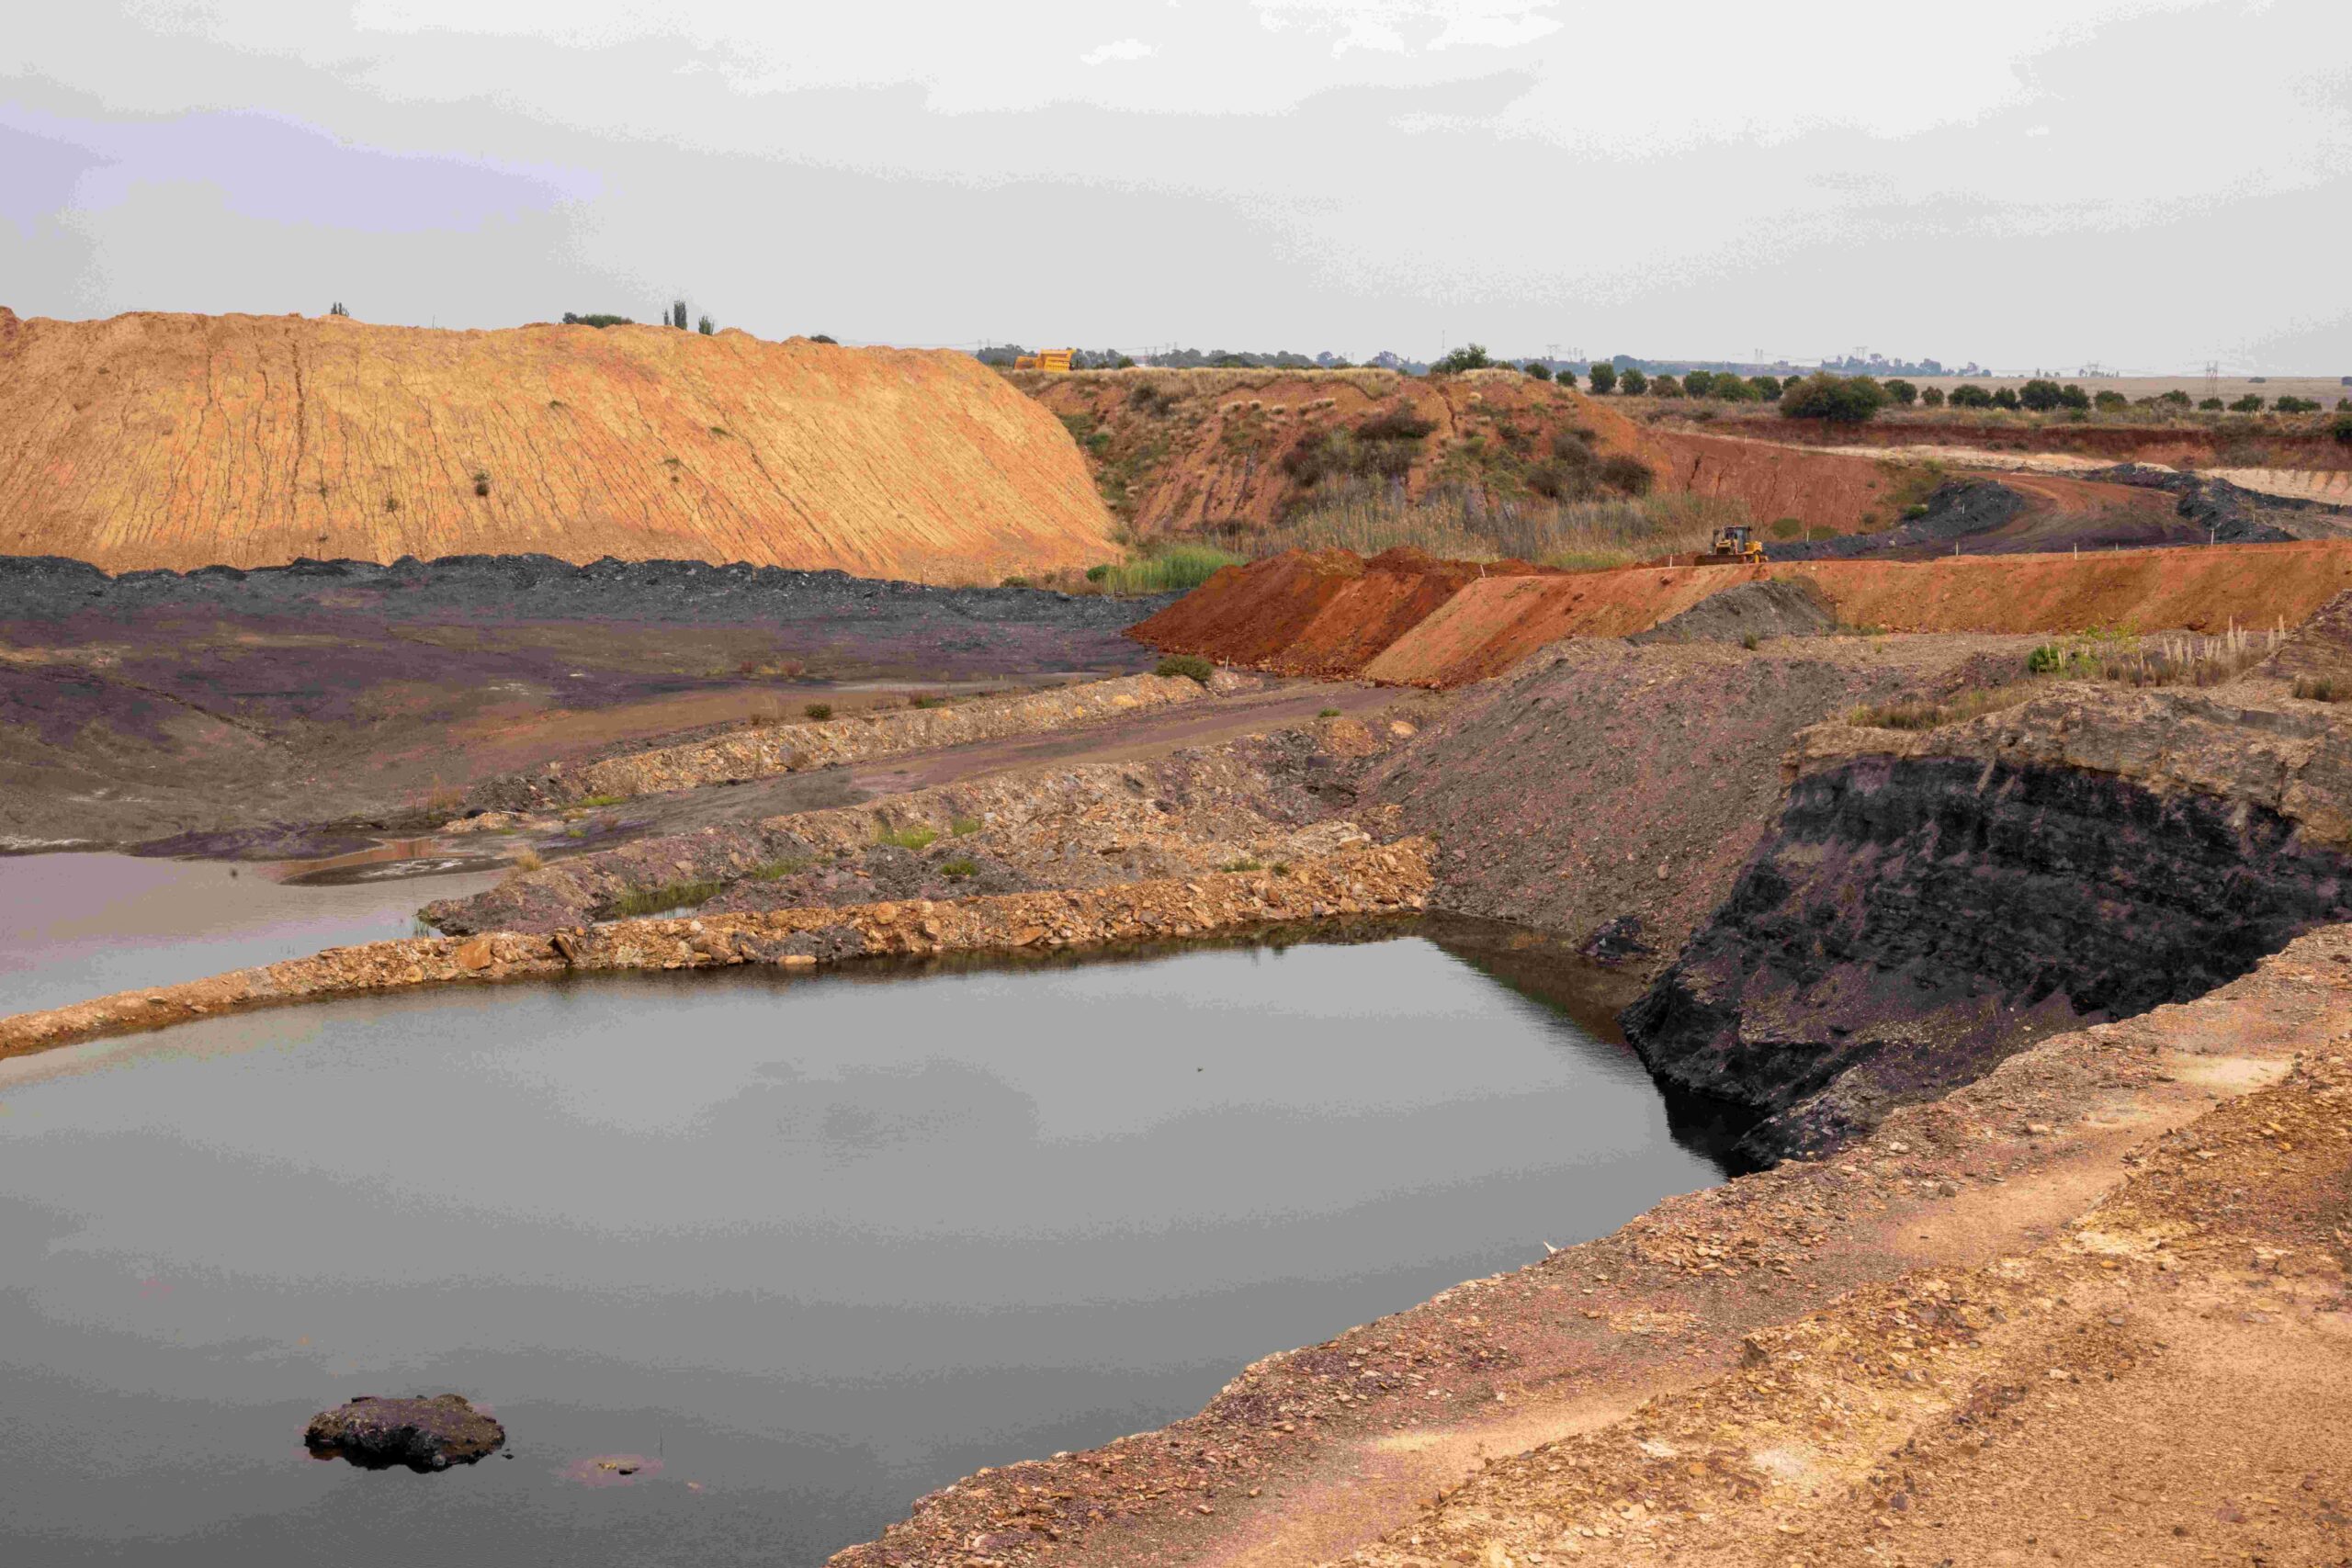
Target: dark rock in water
{"type": "Point", "coordinates": [1618, 940]}
{"type": "Point", "coordinates": [423, 1434]}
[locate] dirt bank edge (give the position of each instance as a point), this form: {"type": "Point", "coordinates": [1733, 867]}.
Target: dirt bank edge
{"type": "Point", "coordinates": [1358, 880]}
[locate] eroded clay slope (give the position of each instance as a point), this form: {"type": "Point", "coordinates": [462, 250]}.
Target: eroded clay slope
{"type": "Point", "coordinates": [178, 441]}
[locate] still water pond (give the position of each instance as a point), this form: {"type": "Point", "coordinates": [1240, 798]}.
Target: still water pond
{"type": "Point", "coordinates": [817, 1246]}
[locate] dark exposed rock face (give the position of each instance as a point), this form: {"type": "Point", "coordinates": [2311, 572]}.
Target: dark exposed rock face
{"type": "Point", "coordinates": [1774, 607]}
{"type": "Point", "coordinates": [1912, 921]}
{"type": "Point", "coordinates": [422, 1434]}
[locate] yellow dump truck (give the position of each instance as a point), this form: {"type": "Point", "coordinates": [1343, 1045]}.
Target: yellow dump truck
{"type": "Point", "coordinates": [1045, 360]}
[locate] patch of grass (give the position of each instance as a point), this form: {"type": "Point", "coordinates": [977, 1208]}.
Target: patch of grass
{"type": "Point", "coordinates": [654, 901]}
{"type": "Point", "coordinates": [905, 837]}
{"type": "Point", "coordinates": [964, 826]}
{"type": "Point", "coordinates": [927, 702]}
{"type": "Point", "coordinates": [778, 869]}
{"type": "Point", "coordinates": [1329, 713]}
{"type": "Point", "coordinates": [1190, 666]}
{"type": "Point", "coordinates": [819, 711]}
{"type": "Point", "coordinates": [958, 869]}
{"type": "Point", "coordinates": [1934, 712]}
{"type": "Point", "coordinates": [2319, 689]}
{"type": "Point", "coordinates": [527, 859]}
{"type": "Point", "coordinates": [1280, 868]}
{"type": "Point", "coordinates": [1169, 568]}
{"type": "Point", "coordinates": [2187, 658]}
{"type": "Point", "coordinates": [1245, 864]}
{"type": "Point", "coordinates": [590, 802]}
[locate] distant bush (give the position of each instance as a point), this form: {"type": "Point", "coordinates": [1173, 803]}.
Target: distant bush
{"type": "Point", "coordinates": [2006, 397]}
{"type": "Point", "coordinates": [1188, 666]}
{"type": "Point", "coordinates": [338, 308]}
{"type": "Point", "coordinates": [1626, 474]}
{"type": "Point", "coordinates": [1905, 393]}
{"type": "Point", "coordinates": [1767, 388]}
{"type": "Point", "coordinates": [2177, 398]}
{"type": "Point", "coordinates": [1398, 423]}
{"type": "Point", "coordinates": [2295, 405]}
{"type": "Point", "coordinates": [1564, 377]}
{"type": "Point", "coordinates": [1932, 397]}
{"type": "Point", "coordinates": [1603, 377]}
{"type": "Point", "coordinates": [2111, 401]}
{"type": "Point", "coordinates": [2073, 397]}
{"type": "Point", "coordinates": [1538, 370]}
{"type": "Point", "coordinates": [1098, 572]}
{"type": "Point", "coordinates": [1842, 400]}
{"type": "Point", "coordinates": [1633, 381]}
{"type": "Point", "coordinates": [1969, 395]}
{"type": "Point", "coordinates": [598, 319]}
{"type": "Point", "coordinates": [1732, 389]}
{"type": "Point", "coordinates": [481, 482]}
{"type": "Point", "coordinates": [2344, 405]}
{"type": "Point", "coordinates": [824, 337]}
{"type": "Point", "coordinates": [1015, 581]}
{"type": "Point", "coordinates": [1698, 383]}
{"type": "Point", "coordinates": [1469, 357]}
{"type": "Point", "coordinates": [2341, 427]}
{"type": "Point", "coordinates": [1666, 387]}
{"type": "Point", "coordinates": [2250, 403]}
{"type": "Point", "coordinates": [2211, 405]}
{"type": "Point", "coordinates": [819, 710]}
{"type": "Point", "coordinates": [706, 326]}
{"type": "Point", "coordinates": [2039, 395]}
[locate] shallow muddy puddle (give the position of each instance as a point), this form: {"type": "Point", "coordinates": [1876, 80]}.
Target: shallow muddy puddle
{"type": "Point", "coordinates": [797, 1251]}
{"type": "Point", "coordinates": [77, 926]}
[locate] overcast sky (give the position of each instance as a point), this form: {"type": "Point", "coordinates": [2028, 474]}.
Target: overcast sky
{"type": "Point", "coordinates": [2149, 184]}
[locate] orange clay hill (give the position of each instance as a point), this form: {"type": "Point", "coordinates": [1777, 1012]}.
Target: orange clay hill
{"type": "Point", "coordinates": [1180, 452]}
{"type": "Point", "coordinates": [181, 441]}
{"type": "Point", "coordinates": [1292, 613]}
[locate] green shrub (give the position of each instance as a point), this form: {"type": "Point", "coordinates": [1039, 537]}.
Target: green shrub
{"type": "Point", "coordinates": [964, 826]}
{"type": "Point", "coordinates": [2006, 397]}
{"type": "Point", "coordinates": [2296, 405]}
{"type": "Point", "coordinates": [1015, 581]}
{"type": "Point", "coordinates": [1634, 382]}
{"type": "Point", "coordinates": [819, 710]}
{"type": "Point", "coordinates": [1666, 387]}
{"type": "Point", "coordinates": [1915, 510]}
{"type": "Point", "coordinates": [1190, 666]}
{"type": "Point", "coordinates": [1840, 400]}
{"type": "Point", "coordinates": [1398, 423]}
{"type": "Point", "coordinates": [905, 837]}
{"type": "Point", "coordinates": [1098, 572]}
{"type": "Point", "coordinates": [2319, 689]}
{"type": "Point", "coordinates": [2250, 403]}
{"type": "Point", "coordinates": [481, 482]}
{"type": "Point", "coordinates": [1245, 864]}
{"type": "Point", "coordinates": [1564, 378]}
{"type": "Point", "coordinates": [1932, 397]}
{"type": "Point", "coordinates": [1904, 392]}
{"type": "Point", "coordinates": [1603, 377]}
{"type": "Point", "coordinates": [2111, 401]}
{"type": "Point", "coordinates": [1538, 370]}
{"type": "Point", "coordinates": [1329, 713]}
{"type": "Point", "coordinates": [2341, 427]}
{"type": "Point", "coordinates": [1170, 569]}
{"type": "Point", "coordinates": [926, 702]}
{"type": "Point", "coordinates": [2041, 395]}
{"type": "Point", "coordinates": [2175, 397]}
{"type": "Point", "coordinates": [2211, 405]}
{"type": "Point", "coordinates": [778, 869]}
{"type": "Point", "coordinates": [1767, 388]}
{"type": "Point", "coordinates": [958, 869]}
{"type": "Point", "coordinates": [1786, 528]}
{"type": "Point", "coordinates": [1625, 474]}
{"type": "Point", "coordinates": [1469, 357]}
{"type": "Point", "coordinates": [1969, 395]}
{"type": "Point", "coordinates": [598, 319]}
{"type": "Point", "coordinates": [1697, 383]}
{"type": "Point", "coordinates": [591, 802]}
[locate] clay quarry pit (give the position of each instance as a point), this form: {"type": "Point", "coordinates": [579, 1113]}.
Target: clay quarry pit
{"type": "Point", "coordinates": [1959, 913]}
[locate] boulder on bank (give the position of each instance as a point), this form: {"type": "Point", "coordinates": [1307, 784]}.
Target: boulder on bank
{"type": "Point", "coordinates": [423, 1434]}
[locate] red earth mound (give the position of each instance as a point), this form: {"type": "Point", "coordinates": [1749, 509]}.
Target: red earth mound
{"type": "Point", "coordinates": [1485, 622]}
{"type": "Point", "coordinates": [1327, 613]}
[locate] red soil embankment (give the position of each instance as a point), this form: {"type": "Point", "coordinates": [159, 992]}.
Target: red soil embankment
{"type": "Point", "coordinates": [177, 441]}
{"type": "Point", "coordinates": [1477, 625]}
{"type": "Point", "coordinates": [1325, 614]}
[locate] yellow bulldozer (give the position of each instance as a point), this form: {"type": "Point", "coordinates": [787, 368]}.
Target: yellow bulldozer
{"type": "Point", "coordinates": [1056, 359]}
{"type": "Point", "coordinates": [1734, 546]}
